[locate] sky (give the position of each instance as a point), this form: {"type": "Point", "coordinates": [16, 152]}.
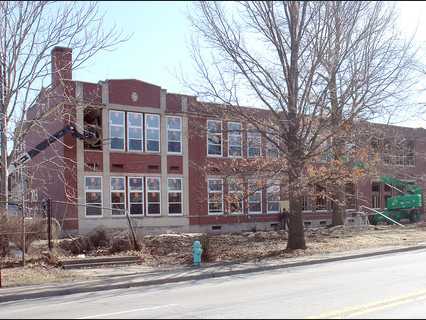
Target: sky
{"type": "Point", "coordinates": [159, 46]}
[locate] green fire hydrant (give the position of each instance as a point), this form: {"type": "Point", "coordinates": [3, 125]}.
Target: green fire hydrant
{"type": "Point", "coordinates": [197, 250]}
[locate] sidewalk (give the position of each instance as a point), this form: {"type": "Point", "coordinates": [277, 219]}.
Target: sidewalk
{"type": "Point", "coordinates": [135, 276]}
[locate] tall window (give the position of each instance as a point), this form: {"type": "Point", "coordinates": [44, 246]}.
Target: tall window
{"type": "Point", "coordinates": [350, 194]}
{"type": "Point", "coordinates": [214, 138]}
{"type": "Point", "coordinates": [306, 204]}
{"type": "Point", "coordinates": [174, 134]}
{"type": "Point", "coordinates": [153, 195]}
{"type": "Point", "coordinates": [235, 195]}
{"type": "Point", "coordinates": [174, 186]}
{"type": "Point", "coordinates": [320, 199]}
{"type": "Point", "coordinates": [116, 129]}
{"type": "Point", "coordinates": [272, 150]}
{"type": "Point", "coordinates": [118, 195]}
{"type": "Point", "coordinates": [215, 195]}
{"type": "Point", "coordinates": [255, 197]}
{"type": "Point", "coordinates": [93, 194]}
{"type": "Point", "coordinates": [152, 127]}
{"type": "Point", "coordinates": [136, 196]}
{"type": "Point", "coordinates": [234, 139]}
{"type": "Point", "coordinates": [273, 196]}
{"type": "Point", "coordinates": [254, 141]}
{"type": "Point", "coordinates": [375, 195]}
{"type": "Point", "coordinates": [134, 131]}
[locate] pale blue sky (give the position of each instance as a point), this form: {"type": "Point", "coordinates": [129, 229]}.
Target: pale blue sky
{"type": "Point", "coordinates": [159, 45]}
{"type": "Point", "coordinates": [155, 51]}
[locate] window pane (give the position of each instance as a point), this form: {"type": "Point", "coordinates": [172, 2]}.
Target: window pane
{"type": "Point", "coordinates": [135, 145]}
{"type": "Point", "coordinates": [235, 151]}
{"type": "Point", "coordinates": [136, 197]}
{"type": "Point", "coordinates": [117, 197]}
{"type": "Point", "coordinates": [153, 145]}
{"type": "Point", "coordinates": [254, 207]}
{"type": "Point", "coordinates": [215, 185]}
{"type": "Point", "coordinates": [117, 143]}
{"type": "Point", "coordinates": [174, 147]}
{"type": "Point", "coordinates": [215, 207]}
{"type": "Point", "coordinates": [173, 135]}
{"type": "Point", "coordinates": [92, 211]}
{"type": "Point", "coordinates": [93, 183]}
{"type": "Point", "coordinates": [117, 117]}
{"type": "Point", "coordinates": [93, 197]}
{"type": "Point", "coordinates": [153, 184]}
{"type": "Point", "coordinates": [153, 197]}
{"type": "Point", "coordinates": [214, 126]}
{"type": "Point", "coordinates": [273, 206]}
{"type": "Point", "coordinates": [216, 150]}
{"type": "Point", "coordinates": [234, 128]}
{"type": "Point", "coordinates": [135, 133]}
{"type": "Point", "coordinates": [117, 132]}
{"type": "Point", "coordinates": [174, 123]}
{"type": "Point", "coordinates": [153, 121]}
{"type": "Point", "coordinates": [215, 139]}
{"type": "Point", "coordinates": [175, 208]}
{"type": "Point", "coordinates": [135, 184]}
{"type": "Point", "coordinates": [134, 119]}
{"type": "Point", "coordinates": [136, 208]}
{"type": "Point", "coordinates": [120, 207]}
{"type": "Point", "coordinates": [117, 183]}
{"type": "Point", "coordinates": [175, 197]}
{"type": "Point", "coordinates": [153, 208]}
{"type": "Point", "coordinates": [175, 184]}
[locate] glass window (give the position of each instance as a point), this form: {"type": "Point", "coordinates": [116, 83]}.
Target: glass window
{"type": "Point", "coordinates": [153, 195]}
{"type": "Point", "coordinates": [234, 139]}
{"type": "Point", "coordinates": [135, 131]}
{"type": "Point", "coordinates": [136, 195]}
{"type": "Point", "coordinates": [306, 205]}
{"type": "Point", "coordinates": [93, 195]}
{"type": "Point", "coordinates": [235, 195]}
{"type": "Point", "coordinates": [215, 196]}
{"type": "Point", "coordinates": [174, 134]}
{"type": "Point", "coordinates": [255, 197]}
{"type": "Point", "coordinates": [272, 151]}
{"type": "Point", "coordinates": [214, 138]}
{"type": "Point", "coordinates": [116, 129]}
{"type": "Point", "coordinates": [174, 186]}
{"type": "Point", "coordinates": [118, 195]}
{"type": "Point", "coordinates": [273, 196]}
{"type": "Point", "coordinates": [320, 199]}
{"type": "Point", "coordinates": [254, 143]}
{"type": "Point", "coordinates": [152, 124]}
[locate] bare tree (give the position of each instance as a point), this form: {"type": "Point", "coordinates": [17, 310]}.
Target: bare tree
{"type": "Point", "coordinates": [320, 69]}
{"type": "Point", "coordinates": [28, 33]}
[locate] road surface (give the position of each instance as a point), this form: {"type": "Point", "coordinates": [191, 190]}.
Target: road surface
{"type": "Point", "coordinates": [389, 286]}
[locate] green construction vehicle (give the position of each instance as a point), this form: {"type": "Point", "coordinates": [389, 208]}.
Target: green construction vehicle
{"type": "Point", "coordinates": [405, 206]}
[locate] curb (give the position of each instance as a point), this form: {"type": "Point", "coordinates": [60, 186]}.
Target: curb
{"type": "Point", "coordinates": [208, 275]}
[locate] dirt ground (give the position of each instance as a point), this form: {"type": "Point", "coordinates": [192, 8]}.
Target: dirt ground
{"type": "Point", "coordinates": [175, 249]}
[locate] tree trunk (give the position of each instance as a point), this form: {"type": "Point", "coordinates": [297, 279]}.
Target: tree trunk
{"type": "Point", "coordinates": [338, 210]}
{"type": "Point", "coordinates": [3, 164]}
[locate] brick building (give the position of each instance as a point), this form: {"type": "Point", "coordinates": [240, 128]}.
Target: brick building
{"type": "Point", "coordinates": [149, 157]}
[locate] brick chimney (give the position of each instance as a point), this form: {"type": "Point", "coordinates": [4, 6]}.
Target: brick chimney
{"type": "Point", "coordinates": [61, 64]}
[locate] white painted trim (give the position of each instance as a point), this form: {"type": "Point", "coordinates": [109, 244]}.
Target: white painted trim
{"type": "Point", "coordinates": [146, 133]}
{"type": "Point", "coordinates": [181, 195]}
{"type": "Point", "coordinates": [111, 191]}
{"type": "Point", "coordinates": [167, 135]}
{"type": "Point", "coordinates": [208, 202]}
{"type": "Point", "coordinates": [147, 202]}
{"type": "Point", "coordinates": [241, 140]}
{"type": "Point", "coordinates": [109, 129]}
{"type": "Point", "coordinates": [142, 132]}
{"type": "Point", "coordinates": [143, 195]}
{"type": "Point", "coordinates": [221, 139]}
{"type": "Point", "coordinates": [85, 203]}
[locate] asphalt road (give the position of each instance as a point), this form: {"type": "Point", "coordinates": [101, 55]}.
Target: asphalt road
{"type": "Point", "coordinates": [390, 286]}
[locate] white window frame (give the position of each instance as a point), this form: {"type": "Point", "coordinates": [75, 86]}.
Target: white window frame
{"type": "Point", "coordinates": [251, 133]}
{"type": "Point", "coordinates": [175, 191]}
{"type": "Point", "coordinates": [238, 192]}
{"type": "Point", "coordinates": [270, 185]}
{"type": "Point", "coordinates": [92, 190]}
{"type": "Point", "coordinates": [230, 133]}
{"type": "Point", "coordinates": [117, 125]}
{"type": "Point", "coordinates": [171, 129]}
{"type": "Point", "coordinates": [208, 198]}
{"type": "Point", "coordinates": [116, 190]}
{"type": "Point", "coordinates": [147, 197]}
{"type": "Point", "coordinates": [221, 139]}
{"type": "Point", "coordinates": [271, 146]}
{"type": "Point", "coordinates": [129, 191]}
{"type": "Point", "coordinates": [147, 115]}
{"type": "Point", "coordinates": [141, 128]}
{"type": "Point", "coordinates": [253, 182]}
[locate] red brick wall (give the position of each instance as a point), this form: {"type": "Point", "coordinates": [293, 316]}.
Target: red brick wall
{"type": "Point", "coordinates": [120, 92]}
